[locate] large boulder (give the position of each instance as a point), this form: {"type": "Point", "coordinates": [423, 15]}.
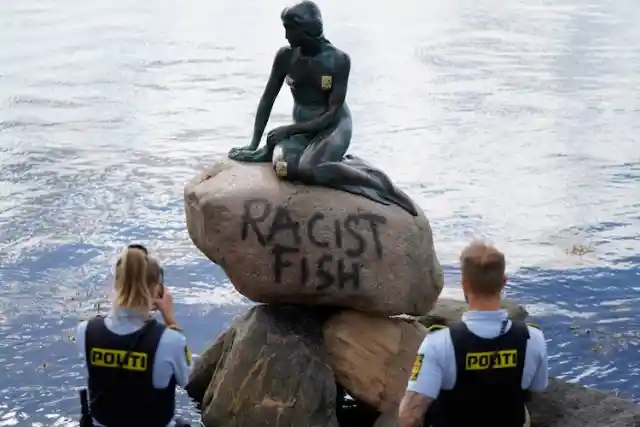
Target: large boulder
{"type": "Point", "coordinates": [267, 369]}
{"type": "Point", "coordinates": [206, 365]}
{"type": "Point", "coordinates": [372, 356]}
{"type": "Point", "coordinates": [280, 242]}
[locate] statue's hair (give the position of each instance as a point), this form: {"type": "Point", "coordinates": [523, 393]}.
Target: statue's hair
{"type": "Point", "coordinates": [306, 15]}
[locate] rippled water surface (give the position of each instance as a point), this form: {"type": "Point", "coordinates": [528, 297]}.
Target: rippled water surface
{"type": "Point", "coordinates": [514, 121]}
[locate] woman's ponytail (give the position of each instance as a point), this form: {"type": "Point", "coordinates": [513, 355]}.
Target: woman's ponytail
{"type": "Point", "coordinates": [132, 289]}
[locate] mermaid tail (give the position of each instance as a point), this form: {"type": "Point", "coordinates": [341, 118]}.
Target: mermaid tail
{"type": "Point", "coordinates": [390, 195]}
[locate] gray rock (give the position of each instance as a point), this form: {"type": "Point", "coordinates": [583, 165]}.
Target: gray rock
{"type": "Point", "coordinates": [449, 310]}
{"type": "Point", "coordinates": [572, 405]}
{"type": "Point", "coordinates": [268, 369]}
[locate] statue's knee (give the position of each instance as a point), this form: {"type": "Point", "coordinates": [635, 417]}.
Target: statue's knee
{"type": "Point", "coordinates": [277, 154]}
{"type": "Point", "coordinates": [280, 168]}
{"type": "Point", "coordinates": [286, 169]}
{"type": "Point", "coordinates": [305, 172]}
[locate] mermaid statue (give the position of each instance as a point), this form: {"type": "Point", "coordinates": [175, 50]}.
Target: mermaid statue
{"type": "Point", "coordinates": [313, 149]}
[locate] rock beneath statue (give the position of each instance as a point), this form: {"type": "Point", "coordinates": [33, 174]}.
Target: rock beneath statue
{"type": "Point", "coordinates": [449, 310]}
{"type": "Point", "coordinates": [205, 367]}
{"type": "Point", "coordinates": [571, 405]}
{"type": "Point", "coordinates": [372, 356]}
{"type": "Point", "coordinates": [268, 369]}
{"type": "Point", "coordinates": [280, 242]}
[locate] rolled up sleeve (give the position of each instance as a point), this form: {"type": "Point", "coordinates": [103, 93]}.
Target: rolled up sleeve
{"type": "Point", "coordinates": [538, 350]}
{"type": "Point", "coordinates": [427, 375]}
{"type": "Point", "coordinates": [182, 361]}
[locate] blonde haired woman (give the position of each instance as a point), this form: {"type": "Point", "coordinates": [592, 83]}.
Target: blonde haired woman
{"type": "Point", "coordinates": [133, 361]}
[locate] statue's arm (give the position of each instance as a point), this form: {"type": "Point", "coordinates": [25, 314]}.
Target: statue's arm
{"type": "Point", "coordinates": [336, 100]}
{"type": "Point", "coordinates": [271, 91]}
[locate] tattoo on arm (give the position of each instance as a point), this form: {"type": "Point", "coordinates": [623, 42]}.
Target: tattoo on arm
{"type": "Point", "coordinates": [413, 407]}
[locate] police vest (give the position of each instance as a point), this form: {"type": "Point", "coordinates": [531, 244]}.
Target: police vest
{"type": "Point", "coordinates": [124, 395]}
{"type": "Point", "coordinates": [488, 389]}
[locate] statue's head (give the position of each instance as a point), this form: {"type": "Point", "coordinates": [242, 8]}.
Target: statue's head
{"type": "Point", "coordinates": [302, 23]}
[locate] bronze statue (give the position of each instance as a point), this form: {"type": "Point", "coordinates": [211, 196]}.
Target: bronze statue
{"type": "Point", "coordinates": [313, 149]}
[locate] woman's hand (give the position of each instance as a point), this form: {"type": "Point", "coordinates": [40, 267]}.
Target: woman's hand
{"type": "Point", "coordinates": [164, 304]}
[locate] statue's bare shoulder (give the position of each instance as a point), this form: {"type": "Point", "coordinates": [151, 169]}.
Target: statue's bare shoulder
{"type": "Point", "coordinates": [339, 59]}
{"type": "Point", "coordinates": [282, 59]}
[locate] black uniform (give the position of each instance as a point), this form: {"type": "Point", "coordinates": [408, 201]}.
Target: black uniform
{"type": "Point", "coordinates": [488, 389]}
{"type": "Point", "coordinates": [122, 394]}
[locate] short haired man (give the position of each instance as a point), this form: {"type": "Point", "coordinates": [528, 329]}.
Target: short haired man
{"type": "Point", "coordinates": [480, 370]}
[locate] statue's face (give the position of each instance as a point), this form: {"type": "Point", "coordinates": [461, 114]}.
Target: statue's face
{"type": "Point", "coordinates": [294, 35]}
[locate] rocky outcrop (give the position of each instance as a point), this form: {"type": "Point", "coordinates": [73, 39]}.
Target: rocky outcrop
{"type": "Point", "coordinates": [268, 369]}
{"type": "Point", "coordinates": [353, 285]}
{"type": "Point", "coordinates": [280, 242]}
{"type": "Point", "coordinates": [565, 404]}
{"type": "Point", "coordinates": [448, 310]}
{"type": "Point", "coordinates": [278, 366]}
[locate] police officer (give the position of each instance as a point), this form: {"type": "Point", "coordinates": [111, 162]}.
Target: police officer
{"type": "Point", "coordinates": [480, 370]}
{"type": "Point", "coordinates": [134, 362]}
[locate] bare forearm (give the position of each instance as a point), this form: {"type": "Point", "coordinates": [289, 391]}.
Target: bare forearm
{"type": "Point", "coordinates": [262, 118]}
{"type": "Point", "coordinates": [407, 418]}
{"type": "Point", "coordinates": [314, 125]}
{"type": "Point", "coordinates": [169, 319]}
{"type": "Point", "coordinates": [405, 422]}
{"type": "Point", "coordinates": [412, 409]}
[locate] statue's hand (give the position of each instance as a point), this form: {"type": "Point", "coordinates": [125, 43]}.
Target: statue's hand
{"type": "Point", "coordinates": [278, 134]}
{"type": "Point", "coordinates": [236, 151]}
{"type": "Point", "coordinates": [244, 154]}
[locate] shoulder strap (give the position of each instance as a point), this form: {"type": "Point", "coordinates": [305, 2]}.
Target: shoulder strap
{"type": "Point", "coordinates": [148, 326]}
{"type": "Point", "coordinates": [458, 327]}
{"type": "Point", "coordinates": [520, 327]}
{"type": "Point", "coordinates": [435, 327]}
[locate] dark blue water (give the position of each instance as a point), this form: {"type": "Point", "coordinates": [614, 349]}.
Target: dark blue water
{"type": "Point", "coordinates": [511, 121]}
